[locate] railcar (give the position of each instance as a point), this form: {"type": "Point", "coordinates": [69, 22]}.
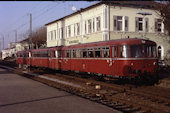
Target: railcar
{"type": "Point", "coordinates": [116, 58]}
{"type": "Point", "coordinates": [22, 58]}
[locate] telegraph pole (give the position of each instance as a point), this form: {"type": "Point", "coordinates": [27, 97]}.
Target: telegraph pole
{"type": "Point", "coordinates": [30, 37]}
{"type": "Point", "coordinates": [3, 41]}
{"type": "Point", "coordinates": [15, 36]}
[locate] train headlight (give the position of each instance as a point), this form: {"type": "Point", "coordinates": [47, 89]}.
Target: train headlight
{"type": "Point", "coordinates": [154, 63]}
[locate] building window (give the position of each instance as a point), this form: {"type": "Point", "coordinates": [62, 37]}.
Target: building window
{"type": "Point", "coordinates": [120, 23]}
{"type": "Point", "coordinates": [60, 33]}
{"type": "Point", "coordinates": [51, 35]}
{"type": "Point", "coordinates": [142, 24]}
{"type": "Point", "coordinates": [54, 35]}
{"type": "Point", "coordinates": [146, 25]}
{"type": "Point", "coordinates": [158, 25]}
{"type": "Point", "coordinates": [98, 27]}
{"type": "Point", "coordinates": [126, 23]}
{"type": "Point", "coordinates": [89, 26]}
{"type": "Point", "coordinates": [76, 29]}
{"type": "Point", "coordinates": [68, 31]}
{"type": "Point", "coordinates": [105, 17]}
{"type": "Point", "coordinates": [93, 25]}
{"type": "Point", "coordinates": [85, 27]}
{"type": "Point", "coordinates": [139, 24]}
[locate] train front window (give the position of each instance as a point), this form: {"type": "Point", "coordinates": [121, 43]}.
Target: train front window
{"type": "Point", "coordinates": [124, 51]}
{"type": "Point", "coordinates": [136, 51]}
{"type": "Point", "coordinates": [150, 51]}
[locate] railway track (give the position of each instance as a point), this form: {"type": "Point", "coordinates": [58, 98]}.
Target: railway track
{"type": "Point", "coordinates": [126, 98]}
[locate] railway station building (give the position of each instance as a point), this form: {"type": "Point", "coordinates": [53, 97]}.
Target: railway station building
{"type": "Point", "coordinates": [108, 21]}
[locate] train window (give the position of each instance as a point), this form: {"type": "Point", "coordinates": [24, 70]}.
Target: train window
{"type": "Point", "coordinates": [84, 53]}
{"type": "Point", "coordinates": [73, 53]}
{"type": "Point", "coordinates": [150, 51]}
{"type": "Point", "coordinates": [154, 52]}
{"type": "Point", "coordinates": [29, 54]}
{"type": "Point", "coordinates": [106, 52]}
{"type": "Point", "coordinates": [56, 54]}
{"type": "Point", "coordinates": [114, 51]}
{"type": "Point", "coordinates": [78, 53]}
{"type": "Point", "coordinates": [90, 53]}
{"type": "Point", "coordinates": [124, 51]}
{"type": "Point", "coordinates": [47, 53]}
{"type": "Point", "coordinates": [97, 52]}
{"type": "Point", "coordinates": [137, 51]}
{"type": "Point", "coordinates": [59, 53]}
{"type": "Point", "coordinates": [67, 53]}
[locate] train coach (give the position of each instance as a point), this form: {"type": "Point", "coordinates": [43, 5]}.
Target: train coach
{"type": "Point", "coordinates": [116, 58]}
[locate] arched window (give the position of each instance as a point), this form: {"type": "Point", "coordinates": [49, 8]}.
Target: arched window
{"type": "Point", "coordinates": [160, 52]}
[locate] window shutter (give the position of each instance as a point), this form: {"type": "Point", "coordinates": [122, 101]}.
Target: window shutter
{"type": "Point", "coordinates": [137, 24]}
{"type": "Point", "coordinates": [115, 23]}
{"type": "Point", "coordinates": [66, 32]}
{"type": "Point", "coordinates": [74, 29]}
{"type": "Point", "coordinates": [146, 24]}
{"type": "Point", "coordinates": [156, 25]}
{"type": "Point", "coordinates": [126, 23]}
{"type": "Point", "coordinates": [85, 27]}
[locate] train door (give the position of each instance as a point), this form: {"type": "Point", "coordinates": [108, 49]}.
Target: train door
{"type": "Point", "coordinates": [114, 60]}
{"type": "Point", "coordinates": [57, 59]}
{"type": "Point", "coordinates": [51, 59]}
{"type": "Point", "coordinates": [29, 58]}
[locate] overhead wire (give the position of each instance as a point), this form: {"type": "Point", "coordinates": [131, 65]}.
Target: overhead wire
{"type": "Point", "coordinates": [44, 11]}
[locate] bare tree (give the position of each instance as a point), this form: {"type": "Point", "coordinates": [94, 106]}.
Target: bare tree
{"type": "Point", "coordinates": [164, 11]}
{"type": "Point", "coordinates": [39, 37]}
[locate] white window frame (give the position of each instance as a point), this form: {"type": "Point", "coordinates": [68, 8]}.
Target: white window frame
{"type": "Point", "coordinates": [161, 27]}
{"type": "Point", "coordinates": [76, 29]}
{"type": "Point", "coordinates": [140, 22]}
{"type": "Point", "coordinates": [93, 25]}
{"type": "Point", "coordinates": [124, 23]}
{"type": "Point", "coordinates": [98, 22]}
{"type": "Point", "coordinates": [69, 31]}
{"type": "Point", "coordinates": [54, 34]}
{"type": "Point", "coordinates": [60, 33]}
{"type": "Point", "coordinates": [89, 26]}
{"type": "Point", "coordinates": [85, 27]}
{"type": "Point", "coordinates": [49, 35]}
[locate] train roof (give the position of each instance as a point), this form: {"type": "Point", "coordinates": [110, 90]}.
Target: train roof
{"type": "Point", "coordinates": [98, 44]}
{"type": "Point", "coordinates": [113, 42]}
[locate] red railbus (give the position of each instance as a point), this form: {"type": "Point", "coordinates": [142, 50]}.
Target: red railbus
{"type": "Point", "coordinates": [117, 58]}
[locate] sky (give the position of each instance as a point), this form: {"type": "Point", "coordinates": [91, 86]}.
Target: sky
{"type": "Point", "coordinates": [15, 16]}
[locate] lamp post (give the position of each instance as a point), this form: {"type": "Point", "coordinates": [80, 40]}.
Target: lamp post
{"type": "Point", "coordinates": [144, 14]}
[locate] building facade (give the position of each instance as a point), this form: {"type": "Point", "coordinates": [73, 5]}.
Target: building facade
{"type": "Point", "coordinates": [105, 21]}
{"type": "Point", "coordinates": [22, 45]}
